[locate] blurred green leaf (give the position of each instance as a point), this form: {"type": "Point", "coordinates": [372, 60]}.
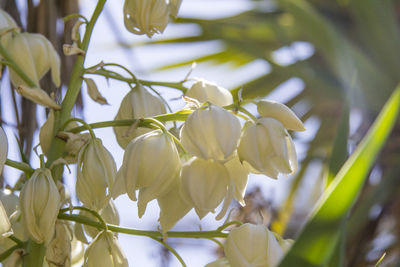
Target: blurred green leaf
{"type": "Point", "coordinates": [317, 241]}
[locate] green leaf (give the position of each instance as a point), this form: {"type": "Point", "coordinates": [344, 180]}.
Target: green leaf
{"type": "Point", "coordinates": [319, 237]}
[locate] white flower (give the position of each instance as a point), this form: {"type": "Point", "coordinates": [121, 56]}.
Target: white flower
{"type": "Point", "coordinates": [3, 149]}
{"type": "Point", "coordinates": [280, 112]}
{"type": "Point", "coordinates": [204, 184]}
{"type": "Point", "coordinates": [5, 225]}
{"type": "Point", "coordinates": [267, 148]}
{"type": "Point", "coordinates": [239, 175]}
{"type": "Point", "coordinates": [105, 251]}
{"type": "Point", "coordinates": [146, 16]}
{"type": "Point", "coordinates": [205, 91]}
{"type": "Point", "coordinates": [151, 164]}
{"type": "Point", "coordinates": [172, 207]}
{"type": "Point", "coordinates": [252, 245]}
{"type": "Point", "coordinates": [39, 202]}
{"type": "Point", "coordinates": [96, 171]}
{"type": "Point", "coordinates": [35, 55]}
{"type": "Point", "coordinates": [211, 133]}
{"type": "Point", "coordinates": [138, 103]}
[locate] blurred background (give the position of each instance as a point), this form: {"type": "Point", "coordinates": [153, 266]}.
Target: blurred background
{"type": "Point", "coordinates": [334, 63]}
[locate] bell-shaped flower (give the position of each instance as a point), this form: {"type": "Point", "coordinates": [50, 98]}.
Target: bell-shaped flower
{"type": "Point", "coordinates": [252, 245]}
{"type": "Point", "coordinates": [280, 112]}
{"type": "Point", "coordinates": [5, 225]}
{"type": "Point", "coordinates": [266, 147]}
{"type": "Point", "coordinates": [146, 17]}
{"type": "Point", "coordinates": [35, 55]}
{"type": "Point", "coordinates": [211, 133]}
{"type": "Point", "coordinates": [205, 91]}
{"type": "Point", "coordinates": [239, 174]}
{"type": "Point", "coordinates": [58, 252]}
{"type": "Point", "coordinates": [96, 171]}
{"type": "Point", "coordinates": [105, 251]}
{"type": "Point", "coordinates": [3, 149]}
{"type": "Point", "coordinates": [6, 23]}
{"type": "Point", "coordinates": [39, 202]}
{"type": "Point", "coordinates": [151, 164]}
{"type": "Point", "coordinates": [10, 204]}
{"type": "Point", "coordinates": [138, 103]}
{"type": "Point", "coordinates": [204, 184]}
{"type": "Point", "coordinates": [172, 207]}
{"type": "Point", "coordinates": [174, 6]}
{"type": "Point", "coordinates": [109, 214]}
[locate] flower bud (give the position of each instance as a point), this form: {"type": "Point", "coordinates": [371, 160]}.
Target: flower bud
{"type": "Point", "coordinates": [105, 251]}
{"type": "Point", "coordinates": [35, 55]}
{"type": "Point", "coordinates": [252, 245]}
{"type": "Point", "coordinates": [96, 171]}
{"type": "Point", "coordinates": [211, 133]}
{"type": "Point", "coordinates": [39, 202]}
{"type": "Point", "coordinates": [172, 207]}
{"type": "Point", "coordinates": [151, 164]}
{"type": "Point", "coordinates": [138, 103]}
{"type": "Point", "coordinates": [58, 252]}
{"type": "Point", "coordinates": [146, 17]}
{"type": "Point", "coordinates": [3, 148]}
{"type": "Point", "coordinates": [204, 184]}
{"type": "Point", "coordinates": [280, 112]}
{"type": "Point", "coordinates": [207, 91]}
{"type": "Point", "coordinates": [266, 147]}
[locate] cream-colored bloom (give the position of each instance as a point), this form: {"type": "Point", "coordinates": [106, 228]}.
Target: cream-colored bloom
{"type": "Point", "coordinates": [146, 16]}
{"type": "Point", "coordinates": [96, 171]}
{"type": "Point", "coordinates": [174, 6]}
{"type": "Point", "coordinates": [267, 148]}
{"type": "Point", "coordinates": [252, 246]}
{"type": "Point", "coordinates": [39, 203]}
{"type": "Point", "coordinates": [6, 21]}
{"type": "Point", "coordinates": [3, 149]}
{"type": "Point", "coordinates": [205, 91]}
{"type": "Point", "coordinates": [138, 103]}
{"type": "Point", "coordinates": [5, 225]}
{"type": "Point", "coordinates": [151, 164]}
{"type": "Point", "coordinates": [35, 55]}
{"type": "Point", "coordinates": [105, 251]}
{"type": "Point", "coordinates": [239, 174]}
{"type": "Point", "coordinates": [58, 251]}
{"type": "Point", "coordinates": [204, 184]}
{"type": "Point", "coordinates": [211, 133]}
{"type": "Point", "coordinates": [280, 112]}
{"type": "Point", "coordinates": [172, 207]}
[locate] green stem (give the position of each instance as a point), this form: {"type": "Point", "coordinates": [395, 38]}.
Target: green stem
{"type": "Point", "coordinates": [245, 111]}
{"type": "Point", "coordinates": [87, 126]}
{"type": "Point", "coordinates": [20, 166]}
{"type": "Point", "coordinates": [72, 93]}
{"type": "Point", "coordinates": [35, 255]}
{"type": "Point", "coordinates": [16, 240]}
{"type": "Point", "coordinates": [94, 213]}
{"type": "Point", "coordinates": [129, 231]}
{"type": "Point", "coordinates": [105, 73]}
{"type": "Point", "coordinates": [172, 250]}
{"type": "Point", "coordinates": [177, 116]}
{"type": "Point", "coordinates": [8, 252]}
